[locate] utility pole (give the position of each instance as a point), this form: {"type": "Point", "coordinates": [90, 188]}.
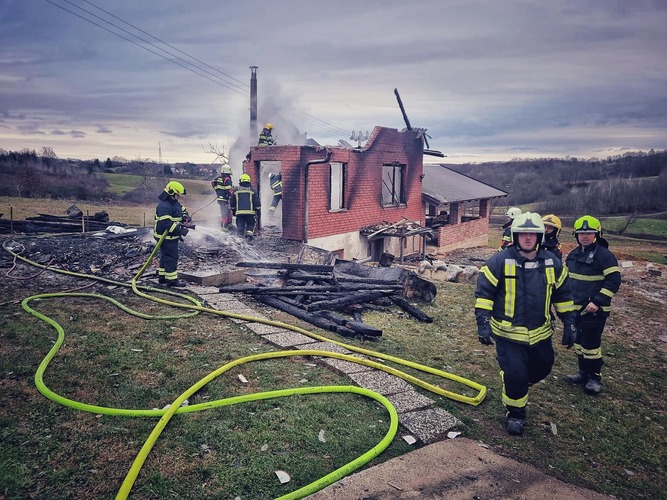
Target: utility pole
{"type": "Point", "coordinates": [159, 153]}
{"type": "Point", "coordinates": [253, 105]}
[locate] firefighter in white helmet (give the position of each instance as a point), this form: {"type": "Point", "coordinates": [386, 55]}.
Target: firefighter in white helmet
{"type": "Point", "coordinates": [515, 290]}
{"type": "Point", "coordinates": [512, 213]}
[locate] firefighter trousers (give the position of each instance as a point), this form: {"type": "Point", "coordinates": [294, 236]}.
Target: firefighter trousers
{"type": "Point", "coordinates": [588, 345]}
{"type": "Point", "coordinates": [245, 225]}
{"type": "Point", "coordinates": [169, 260]}
{"type": "Point", "coordinates": [225, 214]}
{"type": "Point", "coordinates": [522, 365]}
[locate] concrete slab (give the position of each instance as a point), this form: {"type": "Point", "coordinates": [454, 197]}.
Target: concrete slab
{"type": "Point", "coordinates": [203, 291]}
{"type": "Point", "coordinates": [455, 469]}
{"type": "Point", "coordinates": [325, 346]}
{"type": "Point", "coordinates": [427, 425]}
{"type": "Point", "coordinates": [262, 329]}
{"type": "Point", "coordinates": [409, 401]}
{"type": "Point", "coordinates": [214, 277]}
{"type": "Point", "coordinates": [288, 339]}
{"type": "Point", "coordinates": [381, 382]}
{"type": "Point", "coordinates": [345, 367]}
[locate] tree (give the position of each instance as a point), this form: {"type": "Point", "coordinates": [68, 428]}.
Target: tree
{"type": "Point", "coordinates": [221, 152]}
{"type": "Point", "coordinates": [108, 165]}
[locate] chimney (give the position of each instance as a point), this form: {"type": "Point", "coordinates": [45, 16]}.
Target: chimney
{"type": "Point", "coordinates": [253, 104]}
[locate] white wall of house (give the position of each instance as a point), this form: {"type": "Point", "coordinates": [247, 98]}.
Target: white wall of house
{"type": "Point", "coordinates": [355, 246]}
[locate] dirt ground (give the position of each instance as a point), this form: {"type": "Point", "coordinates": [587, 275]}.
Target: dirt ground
{"type": "Point", "coordinates": [457, 468]}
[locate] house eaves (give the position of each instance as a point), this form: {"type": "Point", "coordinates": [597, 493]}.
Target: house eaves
{"type": "Point", "coordinates": [442, 185]}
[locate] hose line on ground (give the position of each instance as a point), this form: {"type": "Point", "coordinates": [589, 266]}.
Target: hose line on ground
{"type": "Point", "coordinates": [195, 307]}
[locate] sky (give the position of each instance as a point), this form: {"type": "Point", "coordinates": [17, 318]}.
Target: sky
{"type": "Point", "coordinates": [489, 80]}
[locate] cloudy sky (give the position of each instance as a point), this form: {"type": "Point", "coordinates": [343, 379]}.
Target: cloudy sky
{"type": "Point", "coordinates": [488, 79]}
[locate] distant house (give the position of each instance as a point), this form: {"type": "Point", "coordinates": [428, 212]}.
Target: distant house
{"type": "Point", "coordinates": [365, 201]}
{"type": "Point", "coordinates": [467, 203]}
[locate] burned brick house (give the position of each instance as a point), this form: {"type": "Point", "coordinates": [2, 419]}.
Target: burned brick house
{"type": "Point", "coordinates": [335, 198]}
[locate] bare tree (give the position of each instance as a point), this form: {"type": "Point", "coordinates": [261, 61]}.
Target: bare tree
{"type": "Point", "coordinates": [221, 152]}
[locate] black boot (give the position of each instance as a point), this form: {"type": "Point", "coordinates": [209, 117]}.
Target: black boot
{"type": "Point", "coordinates": [593, 386]}
{"type": "Point", "coordinates": [514, 426]}
{"type": "Point", "coordinates": [162, 280]}
{"type": "Point", "coordinates": [577, 379]}
{"type": "Point", "coordinates": [176, 284]}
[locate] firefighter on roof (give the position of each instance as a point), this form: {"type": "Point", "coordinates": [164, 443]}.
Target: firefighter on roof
{"type": "Point", "coordinates": [594, 278]}
{"type": "Point", "coordinates": [266, 137]}
{"type": "Point", "coordinates": [223, 187]}
{"type": "Point", "coordinates": [172, 217]}
{"type": "Point", "coordinates": [515, 290]}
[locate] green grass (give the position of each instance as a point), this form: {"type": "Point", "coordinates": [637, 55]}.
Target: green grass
{"type": "Point", "coordinates": [649, 227]}
{"type": "Point", "coordinates": [123, 183]}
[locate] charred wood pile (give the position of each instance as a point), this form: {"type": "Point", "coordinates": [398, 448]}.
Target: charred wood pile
{"type": "Point", "coordinates": [74, 222]}
{"type": "Point", "coordinates": [333, 297]}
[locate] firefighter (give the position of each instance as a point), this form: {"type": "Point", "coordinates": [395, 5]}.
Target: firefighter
{"type": "Point", "coordinates": [223, 187]}
{"type": "Point", "coordinates": [266, 137]}
{"type": "Point", "coordinates": [552, 227]}
{"type": "Point", "coordinates": [244, 204]}
{"type": "Point", "coordinates": [172, 217]}
{"type": "Point", "coordinates": [276, 181]}
{"type": "Point", "coordinates": [594, 278]}
{"type": "Point", "coordinates": [512, 213]}
{"type": "Point", "coordinates": [515, 290]}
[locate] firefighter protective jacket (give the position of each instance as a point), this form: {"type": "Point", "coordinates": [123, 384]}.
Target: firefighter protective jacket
{"type": "Point", "coordinates": [506, 240]}
{"type": "Point", "coordinates": [169, 214]}
{"type": "Point", "coordinates": [223, 186]}
{"type": "Point", "coordinates": [515, 295]}
{"type": "Point", "coordinates": [277, 184]}
{"type": "Point", "coordinates": [553, 245]}
{"type": "Point", "coordinates": [266, 139]}
{"type": "Point", "coordinates": [244, 200]}
{"type": "Point", "coordinates": [594, 276]}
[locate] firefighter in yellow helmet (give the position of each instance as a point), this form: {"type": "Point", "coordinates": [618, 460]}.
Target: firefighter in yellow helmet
{"type": "Point", "coordinates": [552, 228]}
{"type": "Point", "coordinates": [515, 290]}
{"type": "Point", "coordinates": [172, 217]}
{"type": "Point", "coordinates": [594, 279]}
{"type": "Point", "coordinates": [512, 213]}
{"type": "Point", "coordinates": [266, 137]}
{"type": "Point", "coordinates": [244, 204]}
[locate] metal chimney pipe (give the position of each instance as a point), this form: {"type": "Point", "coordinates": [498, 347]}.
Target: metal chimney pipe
{"type": "Point", "coordinates": [253, 105]}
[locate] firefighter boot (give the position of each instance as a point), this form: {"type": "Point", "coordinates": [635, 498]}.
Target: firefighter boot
{"type": "Point", "coordinates": [593, 386]}
{"type": "Point", "coordinates": [577, 379]}
{"type": "Point", "coordinates": [161, 280]}
{"type": "Point", "coordinates": [176, 283]}
{"type": "Point", "coordinates": [514, 426]}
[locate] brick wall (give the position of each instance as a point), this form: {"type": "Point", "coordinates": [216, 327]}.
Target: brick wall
{"type": "Point", "coordinates": [463, 235]}
{"type": "Point", "coordinates": [363, 187]}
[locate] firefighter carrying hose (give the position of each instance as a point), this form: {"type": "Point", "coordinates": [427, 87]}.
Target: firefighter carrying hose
{"type": "Point", "coordinates": [515, 291]}
{"type": "Point", "coordinates": [172, 217]}
{"type": "Point", "coordinates": [223, 187]}
{"type": "Point", "coordinates": [594, 279]}
{"type": "Point", "coordinates": [244, 204]}
{"type": "Point", "coordinates": [276, 181]}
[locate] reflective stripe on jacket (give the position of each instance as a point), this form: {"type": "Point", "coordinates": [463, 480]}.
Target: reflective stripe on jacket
{"type": "Point", "coordinates": [244, 200]}
{"type": "Point", "coordinates": [223, 186]}
{"type": "Point", "coordinates": [517, 294]}
{"type": "Point", "coordinates": [594, 276]}
{"type": "Point", "coordinates": [169, 214]}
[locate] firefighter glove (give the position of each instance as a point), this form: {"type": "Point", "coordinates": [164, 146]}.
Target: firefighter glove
{"type": "Point", "coordinates": [183, 230]}
{"type": "Point", "coordinates": [484, 332]}
{"type": "Point", "coordinates": [569, 335]}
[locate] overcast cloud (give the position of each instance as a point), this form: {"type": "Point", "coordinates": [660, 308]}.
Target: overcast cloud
{"type": "Point", "coordinates": [488, 79]}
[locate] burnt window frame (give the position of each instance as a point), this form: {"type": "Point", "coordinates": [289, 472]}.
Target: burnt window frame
{"type": "Point", "coordinates": [340, 193]}
{"type": "Point", "coordinates": [388, 185]}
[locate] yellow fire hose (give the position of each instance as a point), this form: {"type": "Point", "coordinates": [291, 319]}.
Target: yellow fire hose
{"type": "Point", "coordinates": [195, 307]}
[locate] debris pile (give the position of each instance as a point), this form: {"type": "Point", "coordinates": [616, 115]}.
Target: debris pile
{"type": "Point", "coordinates": [317, 293]}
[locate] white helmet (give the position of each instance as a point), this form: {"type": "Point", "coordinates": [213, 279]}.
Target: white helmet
{"type": "Point", "coordinates": [528, 222]}
{"type": "Point", "coordinates": [226, 169]}
{"type": "Point", "coordinates": [513, 212]}
{"type": "Point", "coordinates": [271, 175]}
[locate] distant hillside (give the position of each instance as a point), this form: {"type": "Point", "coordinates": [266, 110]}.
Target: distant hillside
{"type": "Point", "coordinates": [627, 184]}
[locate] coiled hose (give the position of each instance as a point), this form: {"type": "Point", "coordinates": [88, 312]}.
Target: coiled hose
{"type": "Point", "coordinates": [195, 307]}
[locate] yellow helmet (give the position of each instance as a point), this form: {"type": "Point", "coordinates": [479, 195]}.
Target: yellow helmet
{"type": "Point", "coordinates": [174, 187]}
{"type": "Point", "coordinates": [244, 178]}
{"type": "Point", "coordinates": [587, 224]}
{"type": "Point", "coordinates": [553, 221]}
{"type": "Point", "coordinates": [268, 126]}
